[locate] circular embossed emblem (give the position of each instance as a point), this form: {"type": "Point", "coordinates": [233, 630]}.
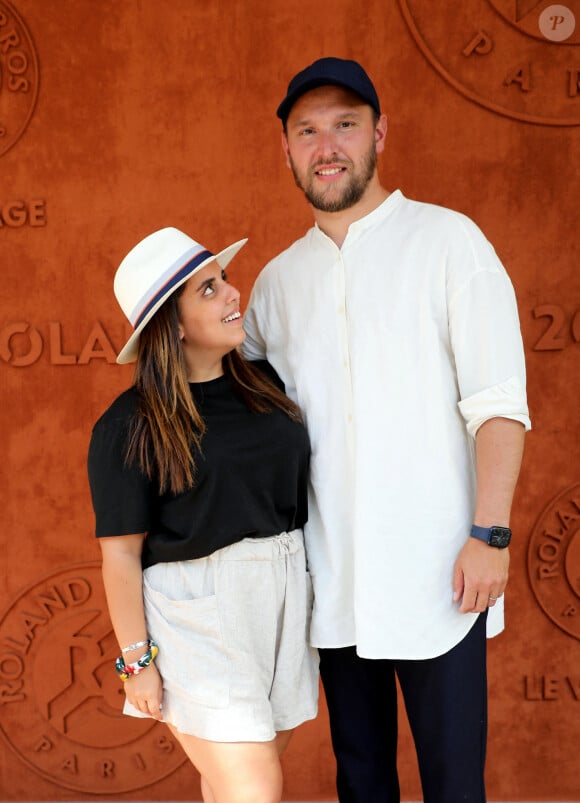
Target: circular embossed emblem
{"type": "Point", "coordinates": [18, 76]}
{"type": "Point", "coordinates": [60, 699]}
{"type": "Point", "coordinates": [518, 58]}
{"type": "Point", "coordinates": [554, 561]}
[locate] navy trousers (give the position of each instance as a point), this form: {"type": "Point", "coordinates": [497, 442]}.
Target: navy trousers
{"type": "Point", "coordinates": [446, 703]}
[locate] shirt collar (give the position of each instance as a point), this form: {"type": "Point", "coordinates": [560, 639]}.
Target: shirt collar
{"type": "Point", "coordinates": [372, 218]}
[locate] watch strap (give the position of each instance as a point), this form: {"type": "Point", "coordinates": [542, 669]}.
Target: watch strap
{"type": "Point", "coordinates": [481, 533]}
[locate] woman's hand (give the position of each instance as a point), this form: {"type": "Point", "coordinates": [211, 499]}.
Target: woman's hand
{"type": "Point", "coordinates": [123, 580]}
{"type": "Point", "coordinates": [145, 691]}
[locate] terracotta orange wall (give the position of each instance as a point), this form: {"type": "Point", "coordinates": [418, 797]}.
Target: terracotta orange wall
{"type": "Point", "coordinates": [118, 118]}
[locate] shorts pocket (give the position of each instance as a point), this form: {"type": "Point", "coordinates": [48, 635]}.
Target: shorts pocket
{"type": "Point", "coordinates": [192, 659]}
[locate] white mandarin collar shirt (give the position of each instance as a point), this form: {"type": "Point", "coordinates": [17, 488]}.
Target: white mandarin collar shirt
{"type": "Point", "coordinates": [397, 347]}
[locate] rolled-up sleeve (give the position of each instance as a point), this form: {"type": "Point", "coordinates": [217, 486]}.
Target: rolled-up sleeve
{"type": "Point", "coordinates": [506, 400]}
{"type": "Point", "coordinates": [487, 342]}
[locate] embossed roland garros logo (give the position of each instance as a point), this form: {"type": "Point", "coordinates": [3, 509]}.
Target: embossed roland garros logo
{"type": "Point", "coordinates": [554, 561]}
{"type": "Point", "coordinates": [518, 58]}
{"type": "Point", "coordinates": [60, 698]}
{"type": "Point", "coordinates": [18, 77]}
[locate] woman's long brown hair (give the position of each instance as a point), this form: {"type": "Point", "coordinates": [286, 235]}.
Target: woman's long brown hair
{"type": "Point", "coordinates": [167, 429]}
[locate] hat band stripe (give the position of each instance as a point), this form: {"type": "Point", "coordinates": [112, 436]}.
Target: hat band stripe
{"type": "Point", "coordinates": [167, 286]}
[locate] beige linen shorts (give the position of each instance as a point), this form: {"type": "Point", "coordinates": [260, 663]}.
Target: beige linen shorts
{"type": "Point", "coordinates": [232, 631]}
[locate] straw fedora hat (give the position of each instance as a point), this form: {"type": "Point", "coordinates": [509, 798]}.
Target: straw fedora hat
{"type": "Point", "coordinates": [152, 271]}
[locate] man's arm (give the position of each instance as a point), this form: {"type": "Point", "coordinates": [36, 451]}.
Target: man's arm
{"type": "Point", "coordinates": [481, 571]}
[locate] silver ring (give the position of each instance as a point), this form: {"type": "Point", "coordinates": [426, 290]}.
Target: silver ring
{"type": "Point", "coordinates": [493, 598]}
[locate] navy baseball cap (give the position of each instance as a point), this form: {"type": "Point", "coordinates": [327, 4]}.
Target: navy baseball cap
{"type": "Point", "coordinates": [338, 72]}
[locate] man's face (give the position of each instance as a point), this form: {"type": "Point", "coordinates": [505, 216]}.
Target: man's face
{"type": "Point", "coordinates": [331, 144]}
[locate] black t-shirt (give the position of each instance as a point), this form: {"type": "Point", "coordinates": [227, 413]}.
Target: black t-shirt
{"type": "Point", "coordinates": [251, 478]}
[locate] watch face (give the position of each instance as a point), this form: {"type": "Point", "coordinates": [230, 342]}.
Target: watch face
{"type": "Point", "coordinates": [500, 537]}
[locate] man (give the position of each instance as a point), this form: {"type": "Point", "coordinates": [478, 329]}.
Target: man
{"type": "Point", "coordinates": [394, 326]}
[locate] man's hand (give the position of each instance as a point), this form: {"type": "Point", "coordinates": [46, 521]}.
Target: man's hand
{"type": "Point", "coordinates": [480, 575]}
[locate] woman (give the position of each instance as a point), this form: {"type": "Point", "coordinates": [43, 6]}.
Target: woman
{"type": "Point", "coordinates": [198, 480]}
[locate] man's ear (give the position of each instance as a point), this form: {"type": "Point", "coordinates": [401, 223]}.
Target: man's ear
{"type": "Point", "coordinates": [381, 133]}
{"type": "Point", "coordinates": [286, 149]}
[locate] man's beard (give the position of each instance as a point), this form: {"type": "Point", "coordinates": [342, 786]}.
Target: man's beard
{"type": "Point", "coordinates": [351, 194]}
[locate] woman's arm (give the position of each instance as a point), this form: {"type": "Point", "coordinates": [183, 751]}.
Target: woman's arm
{"type": "Point", "coordinates": [123, 581]}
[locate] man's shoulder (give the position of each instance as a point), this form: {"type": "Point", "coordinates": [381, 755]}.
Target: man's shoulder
{"type": "Point", "coordinates": [292, 252]}
{"type": "Point", "coordinates": [434, 214]}
{"type": "Point", "coordinates": [453, 233]}
{"type": "Point", "coordinates": [281, 268]}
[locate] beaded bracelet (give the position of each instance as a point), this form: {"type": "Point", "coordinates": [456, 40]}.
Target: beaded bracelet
{"type": "Point", "coordinates": [126, 671]}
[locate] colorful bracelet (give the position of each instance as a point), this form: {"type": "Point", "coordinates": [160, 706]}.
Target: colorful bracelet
{"type": "Point", "coordinates": [126, 671]}
{"type": "Point", "coordinates": [135, 645]}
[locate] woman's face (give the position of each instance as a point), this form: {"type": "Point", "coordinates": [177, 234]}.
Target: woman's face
{"type": "Point", "coordinates": [210, 323]}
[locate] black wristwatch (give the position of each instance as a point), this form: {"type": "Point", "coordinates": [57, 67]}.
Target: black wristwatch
{"type": "Point", "coordinates": [499, 537]}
